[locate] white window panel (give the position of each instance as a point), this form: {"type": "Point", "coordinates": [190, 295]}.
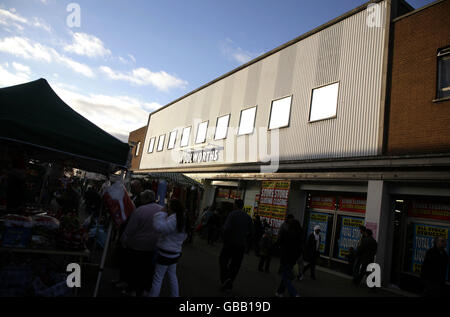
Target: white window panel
{"type": "Point", "coordinates": [151, 146]}
{"type": "Point", "coordinates": [201, 132]}
{"type": "Point", "coordinates": [324, 102]}
{"type": "Point", "coordinates": [172, 139]}
{"type": "Point", "coordinates": [247, 121]}
{"type": "Point", "coordinates": [138, 147]}
{"type": "Point", "coordinates": [185, 136]}
{"type": "Point", "coordinates": [222, 127]}
{"type": "Point", "coordinates": [280, 113]}
{"type": "Point", "coordinates": [161, 142]}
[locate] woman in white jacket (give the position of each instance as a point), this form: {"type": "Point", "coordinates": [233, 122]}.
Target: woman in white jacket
{"type": "Point", "coordinates": [172, 228]}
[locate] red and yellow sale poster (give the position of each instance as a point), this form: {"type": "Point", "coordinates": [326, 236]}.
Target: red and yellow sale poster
{"type": "Point", "coordinates": [273, 200]}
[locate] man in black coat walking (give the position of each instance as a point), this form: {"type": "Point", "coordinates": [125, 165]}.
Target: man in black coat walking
{"type": "Point", "coordinates": [366, 254]}
{"type": "Point", "coordinates": [237, 231]}
{"type": "Point", "coordinates": [434, 269]}
{"type": "Point", "coordinates": [312, 252]}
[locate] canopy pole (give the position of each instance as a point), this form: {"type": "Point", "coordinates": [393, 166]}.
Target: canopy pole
{"type": "Point", "coordinates": [102, 263]}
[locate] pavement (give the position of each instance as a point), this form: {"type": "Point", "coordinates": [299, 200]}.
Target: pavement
{"type": "Point", "coordinates": [198, 275]}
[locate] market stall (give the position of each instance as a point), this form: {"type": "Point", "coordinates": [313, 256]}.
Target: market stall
{"type": "Point", "coordinates": [41, 138]}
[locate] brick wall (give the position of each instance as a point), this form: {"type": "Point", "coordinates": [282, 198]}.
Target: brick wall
{"type": "Point", "coordinates": [137, 136]}
{"type": "Point", "coordinates": [416, 123]}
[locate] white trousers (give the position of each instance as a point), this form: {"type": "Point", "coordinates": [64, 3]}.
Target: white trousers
{"type": "Point", "coordinates": [160, 272]}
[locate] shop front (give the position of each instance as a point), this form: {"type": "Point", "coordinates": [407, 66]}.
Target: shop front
{"type": "Point", "coordinates": [418, 220]}
{"type": "Point", "coordinates": [339, 217]}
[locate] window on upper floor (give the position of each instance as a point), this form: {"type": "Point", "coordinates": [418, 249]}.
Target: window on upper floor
{"type": "Point", "coordinates": [185, 136]}
{"type": "Point", "coordinates": [324, 102]}
{"type": "Point", "coordinates": [222, 127]}
{"type": "Point", "coordinates": [138, 147]}
{"type": "Point", "coordinates": [201, 132]}
{"type": "Point", "coordinates": [161, 140]}
{"type": "Point", "coordinates": [172, 139]}
{"type": "Point", "coordinates": [247, 121]}
{"type": "Point", "coordinates": [280, 113]}
{"type": "Point", "coordinates": [443, 88]}
{"type": "Point", "coordinates": [151, 146]}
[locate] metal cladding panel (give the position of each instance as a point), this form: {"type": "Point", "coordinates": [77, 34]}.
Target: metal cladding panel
{"type": "Point", "coordinates": [349, 52]}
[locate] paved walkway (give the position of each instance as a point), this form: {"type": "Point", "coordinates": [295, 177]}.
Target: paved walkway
{"type": "Point", "coordinates": [198, 274]}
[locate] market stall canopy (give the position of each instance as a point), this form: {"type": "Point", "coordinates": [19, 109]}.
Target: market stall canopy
{"type": "Point", "coordinates": [33, 115]}
{"type": "Point", "coordinates": [177, 178]}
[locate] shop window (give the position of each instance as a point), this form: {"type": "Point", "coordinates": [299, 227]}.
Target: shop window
{"type": "Point", "coordinates": [161, 142]}
{"type": "Point", "coordinates": [185, 136]}
{"type": "Point", "coordinates": [151, 146]}
{"type": "Point", "coordinates": [324, 102]}
{"type": "Point", "coordinates": [138, 147]}
{"type": "Point", "coordinates": [280, 113]}
{"type": "Point", "coordinates": [172, 139]}
{"type": "Point", "coordinates": [201, 132]}
{"type": "Point", "coordinates": [222, 127]}
{"type": "Point", "coordinates": [325, 221]}
{"type": "Point", "coordinates": [247, 121]}
{"type": "Point", "coordinates": [443, 89]}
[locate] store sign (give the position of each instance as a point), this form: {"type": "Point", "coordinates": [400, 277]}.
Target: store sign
{"type": "Point", "coordinates": [223, 193]}
{"type": "Point", "coordinates": [429, 210]}
{"type": "Point", "coordinates": [423, 241]}
{"type": "Point", "coordinates": [273, 202]}
{"type": "Point", "coordinates": [203, 155]}
{"type": "Point", "coordinates": [321, 220]}
{"type": "Point", "coordinates": [350, 235]}
{"type": "Point", "coordinates": [352, 204]}
{"type": "Point", "coordinates": [323, 202]}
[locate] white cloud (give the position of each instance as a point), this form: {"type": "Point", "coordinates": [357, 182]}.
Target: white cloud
{"type": "Point", "coordinates": [144, 77]}
{"type": "Point", "coordinates": [132, 58]}
{"type": "Point", "coordinates": [8, 78]}
{"type": "Point", "coordinates": [236, 53]}
{"type": "Point", "coordinates": [87, 45]}
{"type": "Point", "coordinates": [21, 68]}
{"type": "Point", "coordinates": [118, 115]}
{"type": "Point", "coordinates": [11, 18]}
{"type": "Point", "coordinates": [23, 47]}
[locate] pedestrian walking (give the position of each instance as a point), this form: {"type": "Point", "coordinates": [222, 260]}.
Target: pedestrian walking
{"type": "Point", "coordinates": [312, 252]}
{"type": "Point", "coordinates": [212, 227]}
{"type": "Point", "coordinates": [356, 262]}
{"type": "Point", "coordinates": [173, 226]}
{"type": "Point", "coordinates": [265, 256]}
{"type": "Point", "coordinates": [366, 254]}
{"type": "Point", "coordinates": [434, 268]}
{"type": "Point", "coordinates": [289, 241]}
{"type": "Point", "coordinates": [140, 238]}
{"type": "Point", "coordinates": [259, 231]}
{"type": "Point", "coordinates": [237, 229]}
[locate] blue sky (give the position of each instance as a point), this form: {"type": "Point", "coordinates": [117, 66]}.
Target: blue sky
{"type": "Point", "coordinates": [128, 58]}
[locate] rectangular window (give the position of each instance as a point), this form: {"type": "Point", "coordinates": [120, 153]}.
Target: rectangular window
{"type": "Point", "coordinates": [324, 102]}
{"type": "Point", "coordinates": [161, 142]}
{"type": "Point", "coordinates": [222, 127]}
{"type": "Point", "coordinates": [280, 113]}
{"type": "Point", "coordinates": [185, 136]}
{"type": "Point", "coordinates": [247, 121]}
{"type": "Point", "coordinates": [172, 139]}
{"type": "Point", "coordinates": [151, 146]}
{"type": "Point", "coordinates": [138, 146]}
{"type": "Point", "coordinates": [201, 132]}
{"type": "Point", "coordinates": [444, 73]}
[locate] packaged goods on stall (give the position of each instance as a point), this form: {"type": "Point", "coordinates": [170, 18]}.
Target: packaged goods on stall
{"type": "Point", "coordinates": [17, 231]}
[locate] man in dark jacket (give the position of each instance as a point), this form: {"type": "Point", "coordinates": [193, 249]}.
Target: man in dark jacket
{"type": "Point", "coordinates": [366, 254]}
{"type": "Point", "coordinates": [434, 269]}
{"type": "Point", "coordinates": [237, 230]}
{"type": "Point", "coordinates": [312, 252]}
{"type": "Point", "coordinates": [290, 243]}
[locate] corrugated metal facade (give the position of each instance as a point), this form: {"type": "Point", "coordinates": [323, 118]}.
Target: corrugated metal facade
{"type": "Point", "coordinates": [349, 52]}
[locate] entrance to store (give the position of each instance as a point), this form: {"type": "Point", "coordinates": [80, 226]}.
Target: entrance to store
{"type": "Point", "coordinates": [417, 221]}
{"type": "Point", "coordinates": [339, 217]}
